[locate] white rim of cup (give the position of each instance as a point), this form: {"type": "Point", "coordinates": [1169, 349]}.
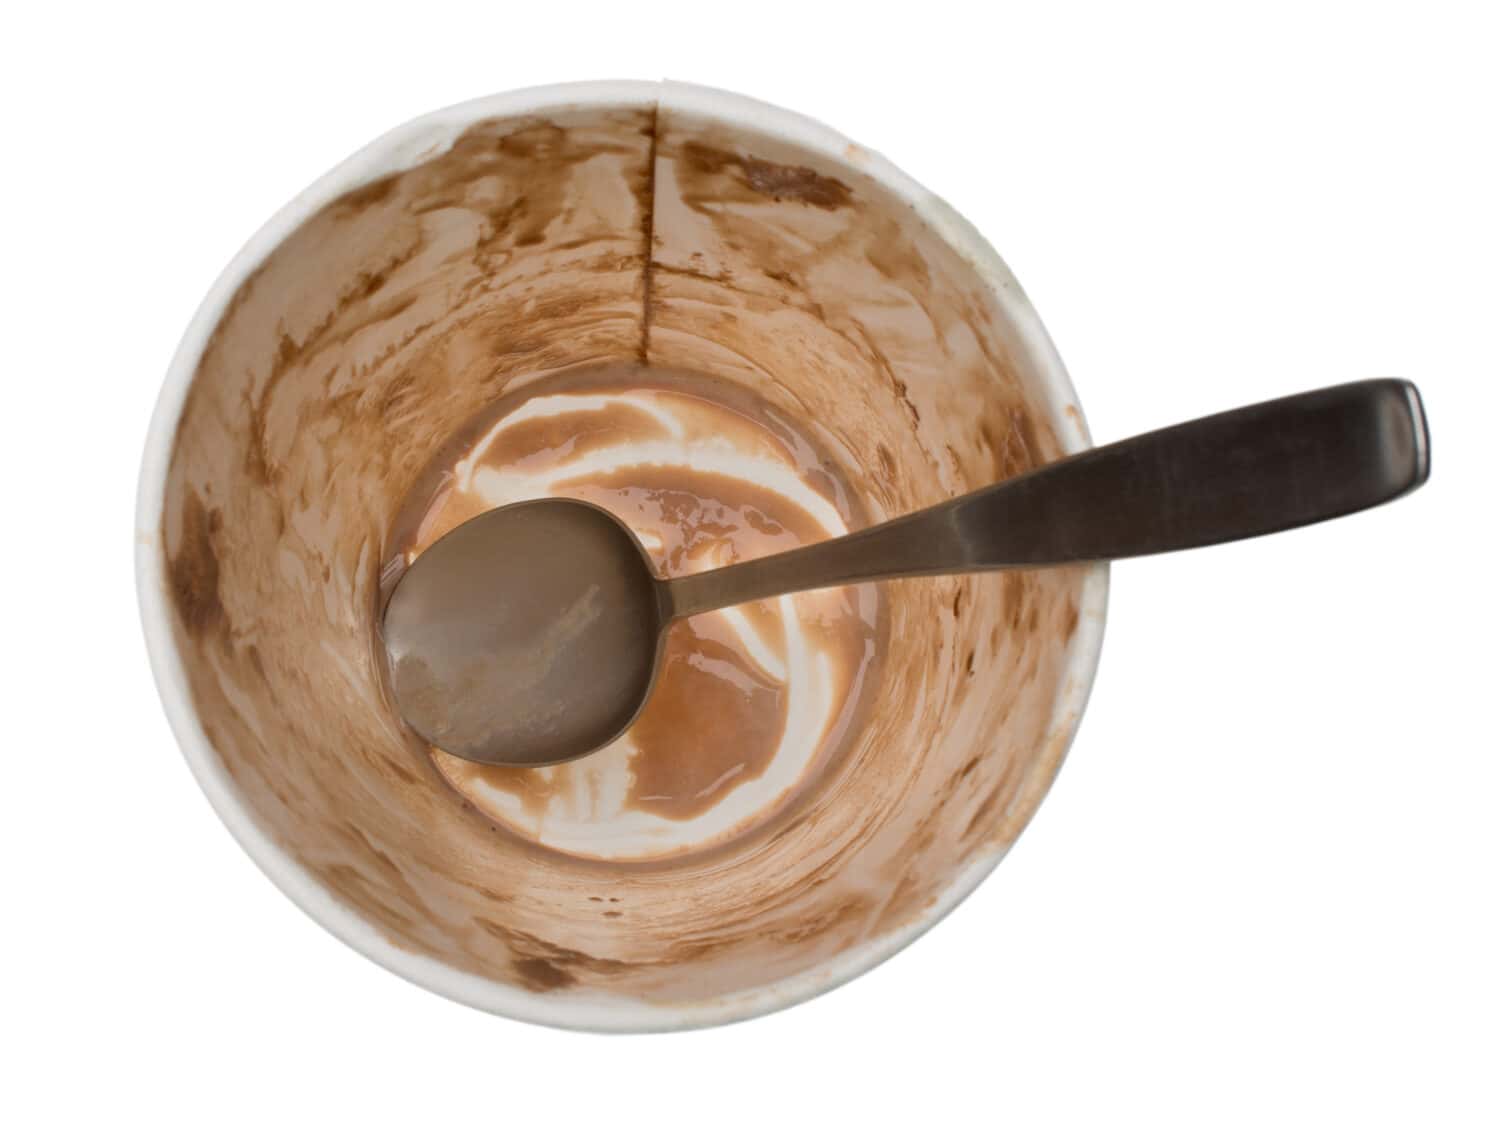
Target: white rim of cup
{"type": "Point", "coordinates": [404, 147]}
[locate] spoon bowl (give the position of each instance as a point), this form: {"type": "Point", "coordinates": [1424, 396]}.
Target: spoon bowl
{"type": "Point", "coordinates": [529, 635]}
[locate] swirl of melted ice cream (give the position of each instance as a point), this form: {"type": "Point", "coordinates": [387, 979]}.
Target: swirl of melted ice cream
{"type": "Point", "coordinates": [750, 700]}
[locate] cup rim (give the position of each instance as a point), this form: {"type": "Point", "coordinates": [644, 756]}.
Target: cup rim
{"type": "Point", "coordinates": [406, 146]}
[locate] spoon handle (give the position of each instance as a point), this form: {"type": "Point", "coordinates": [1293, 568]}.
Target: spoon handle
{"type": "Point", "coordinates": [1268, 467]}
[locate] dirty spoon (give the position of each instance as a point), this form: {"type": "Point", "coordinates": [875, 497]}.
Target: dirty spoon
{"type": "Point", "coordinates": [531, 635]}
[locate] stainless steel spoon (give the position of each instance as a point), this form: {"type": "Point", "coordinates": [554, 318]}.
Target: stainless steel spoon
{"type": "Point", "coordinates": [531, 635]}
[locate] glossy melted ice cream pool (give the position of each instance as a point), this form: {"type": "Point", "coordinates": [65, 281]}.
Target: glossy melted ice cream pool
{"type": "Point", "coordinates": [751, 700]}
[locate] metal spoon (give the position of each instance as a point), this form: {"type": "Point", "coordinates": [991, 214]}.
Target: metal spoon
{"type": "Point", "coordinates": [531, 635]}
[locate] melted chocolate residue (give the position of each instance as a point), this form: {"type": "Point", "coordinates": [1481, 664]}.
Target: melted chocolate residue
{"type": "Point", "coordinates": [193, 572]}
{"type": "Point", "coordinates": [781, 182]}
{"type": "Point", "coordinates": [716, 718]}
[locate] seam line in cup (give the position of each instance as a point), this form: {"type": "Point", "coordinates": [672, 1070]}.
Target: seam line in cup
{"type": "Point", "coordinates": [648, 225]}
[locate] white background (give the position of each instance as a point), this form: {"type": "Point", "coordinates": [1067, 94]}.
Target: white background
{"type": "Point", "coordinates": [1265, 884]}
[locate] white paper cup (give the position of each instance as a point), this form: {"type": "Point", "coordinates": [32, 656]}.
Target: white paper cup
{"type": "Point", "coordinates": [531, 230]}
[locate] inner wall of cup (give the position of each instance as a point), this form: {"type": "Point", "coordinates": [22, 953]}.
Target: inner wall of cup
{"type": "Point", "coordinates": [393, 315]}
